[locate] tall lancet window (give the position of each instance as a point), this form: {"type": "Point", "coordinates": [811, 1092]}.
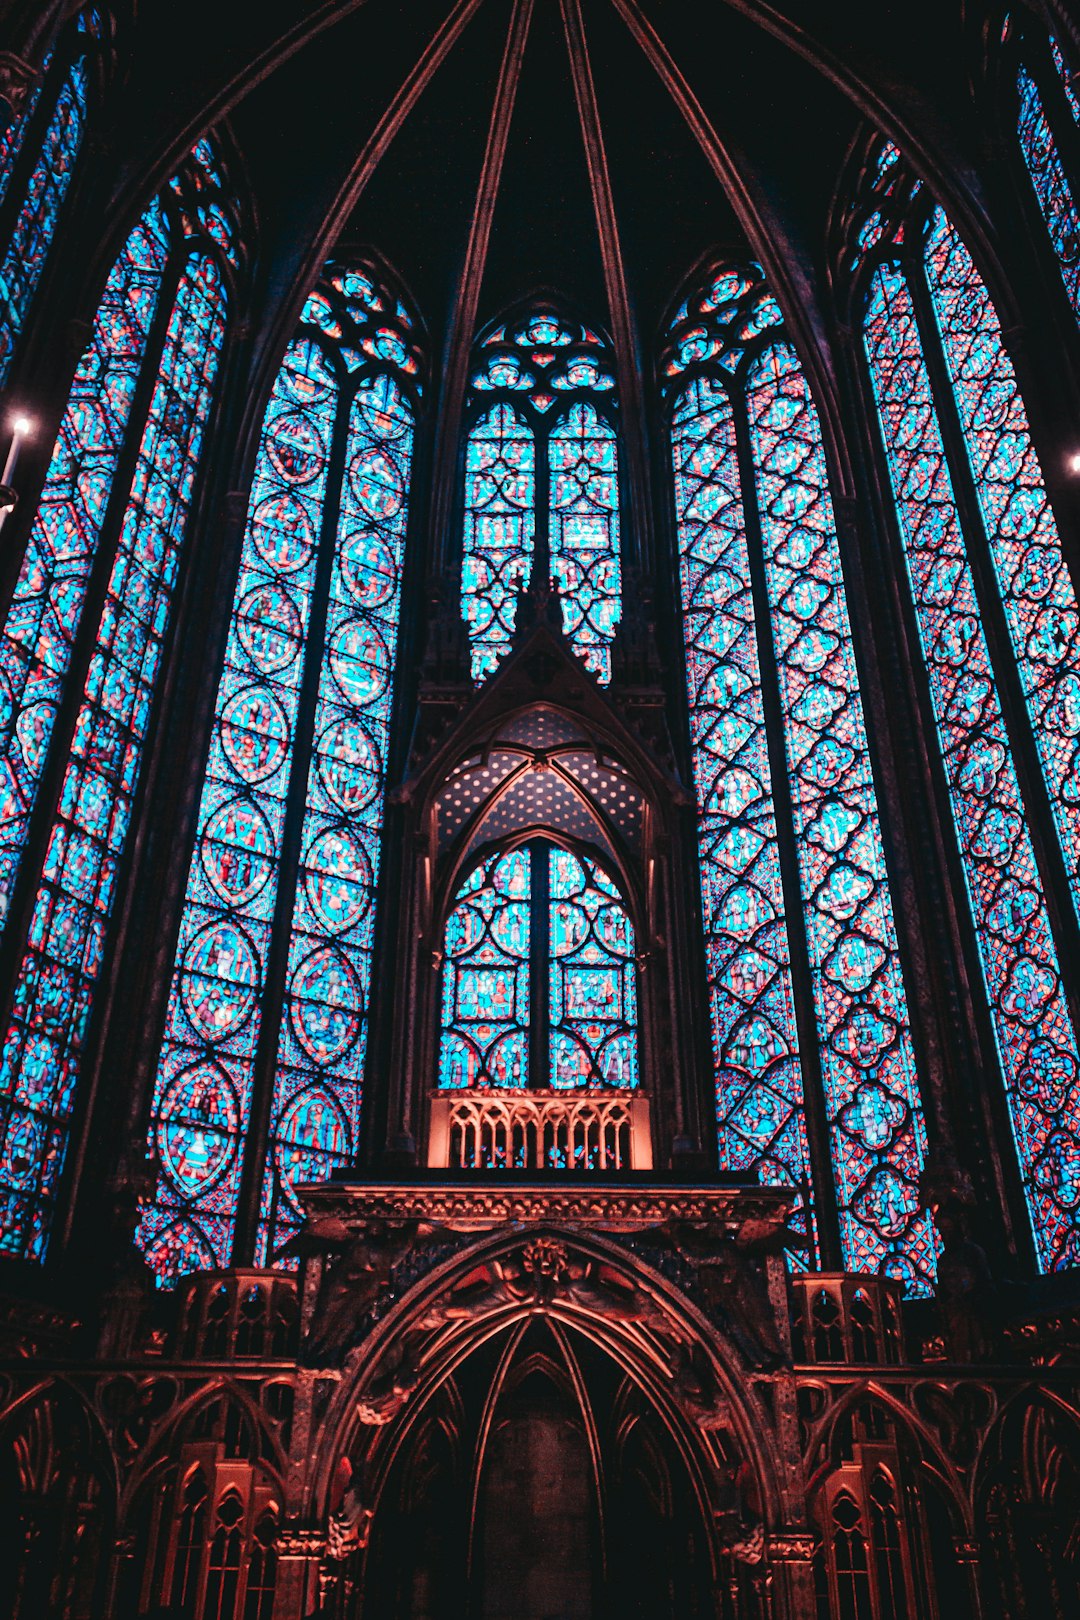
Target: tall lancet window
{"type": "Point", "coordinates": [1048, 127]}
{"type": "Point", "coordinates": [542, 487]}
{"type": "Point", "coordinates": [539, 987]}
{"type": "Point", "coordinates": [38, 154]}
{"type": "Point", "coordinates": [258, 1083]}
{"type": "Point", "coordinates": [996, 614]}
{"type": "Point", "coordinates": [93, 602]}
{"type": "Point", "coordinates": [781, 764]}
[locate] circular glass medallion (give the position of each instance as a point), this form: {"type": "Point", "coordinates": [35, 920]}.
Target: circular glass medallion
{"type": "Point", "coordinates": [312, 1139]}
{"type": "Point", "coordinates": [237, 851]}
{"type": "Point", "coordinates": [337, 876]}
{"type": "Point", "coordinates": [283, 533]}
{"type": "Point", "coordinates": [360, 662]}
{"type": "Point", "coordinates": [294, 448]}
{"type": "Point", "coordinates": [220, 978]}
{"type": "Point", "coordinates": [376, 483]}
{"type": "Point", "coordinates": [304, 374]}
{"type": "Point", "coordinates": [254, 733]}
{"type": "Point", "coordinates": [382, 408]}
{"type": "Point", "coordinates": [324, 1004]}
{"type": "Point", "coordinates": [350, 765]}
{"type": "Point", "coordinates": [269, 628]}
{"type": "Point", "coordinates": [198, 1128]}
{"type": "Point", "coordinates": [369, 570]}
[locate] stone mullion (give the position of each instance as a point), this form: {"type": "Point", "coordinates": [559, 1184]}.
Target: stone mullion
{"type": "Point", "coordinates": [275, 971]}
{"type": "Point", "coordinates": [830, 1257]}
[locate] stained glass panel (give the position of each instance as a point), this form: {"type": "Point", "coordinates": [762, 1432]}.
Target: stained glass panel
{"type": "Point", "coordinates": [593, 990]}
{"type": "Point", "coordinates": [759, 1086]}
{"type": "Point", "coordinates": [1035, 1038]}
{"type": "Point", "coordinates": [485, 1010]}
{"type": "Point", "coordinates": [1037, 592]}
{"type": "Point", "coordinates": [584, 532]}
{"type": "Point", "coordinates": [500, 527]}
{"type": "Point", "coordinates": [877, 1130]}
{"type": "Point", "coordinates": [320, 1060]}
{"type": "Point", "coordinates": [1052, 189]}
{"type": "Point", "coordinates": [46, 188]}
{"type": "Point", "coordinates": [55, 981]}
{"type": "Point", "coordinates": [47, 605]}
{"type": "Point", "coordinates": [202, 1094]}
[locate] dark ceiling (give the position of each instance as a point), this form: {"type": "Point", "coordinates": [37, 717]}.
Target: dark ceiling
{"type": "Point", "coordinates": [777, 91]}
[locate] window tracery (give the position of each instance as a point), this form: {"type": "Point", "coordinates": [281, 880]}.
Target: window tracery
{"type": "Point", "coordinates": [542, 487]}
{"type": "Point", "coordinates": [297, 759]}
{"type": "Point", "coordinates": [969, 490]}
{"type": "Point", "coordinates": [38, 154]}
{"type": "Point", "coordinates": [539, 977]}
{"type": "Point", "coordinates": [766, 622]}
{"type": "Point", "coordinates": [162, 316]}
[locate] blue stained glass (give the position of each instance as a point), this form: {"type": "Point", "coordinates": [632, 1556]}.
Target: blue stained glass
{"type": "Point", "coordinates": [593, 990]}
{"type": "Point", "coordinates": [202, 1094]}
{"type": "Point", "coordinates": [47, 605]}
{"type": "Point", "coordinates": [540, 364]}
{"type": "Point", "coordinates": [1066, 79]}
{"type": "Point", "coordinates": [492, 956]}
{"type": "Point", "coordinates": [56, 978]}
{"type": "Point", "coordinates": [336, 439]}
{"type": "Point", "coordinates": [32, 237]}
{"type": "Point", "coordinates": [1036, 1041]}
{"type": "Point", "coordinates": [317, 1083]}
{"type": "Point", "coordinates": [500, 528]}
{"type": "Point", "coordinates": [1036, 590]}
{"type": "Point", "coordinates": [584, 530]}
{"type": "Point", "coordinates": [877, 1131]}
{"type": "Point", "coordinates": [759, 1089]}
{"type": "Point", "coordinates": [1052, 188]}
{"type": "Point", "coordinates": [485, 1010]}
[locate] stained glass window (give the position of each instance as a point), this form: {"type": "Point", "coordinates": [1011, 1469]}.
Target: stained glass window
{"type": "Point", "coordinates": [765, 613]}
{"type": "Point", "coordinates": [539, 930]}
{"type": "Point", "coordinates": [1041, 96]}
{"type": "Point", "coordinates": [320, 569]}
{"type": "Point", "coordinates": [162, 316]}
{"type": "Point", "coordinates": [542, 487]}
{"type": "Point", "coordinates": [921, 300]}
{"type": "Point", "coordinates": [38, 154]}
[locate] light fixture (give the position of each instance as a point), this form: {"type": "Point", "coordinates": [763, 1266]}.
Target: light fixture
{"type": "Point", "coordinates": [1074, 462]}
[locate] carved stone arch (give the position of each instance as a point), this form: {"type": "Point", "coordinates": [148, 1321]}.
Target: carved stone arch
{"type": "Point", "coordinates": [881, 1475]}
{"type": "Point", "coordinates": [610, 1309]}
{"type": "Point", "coordinates": [204, 1490]}
{"type": "Point", "coordinates": [58, 1490]}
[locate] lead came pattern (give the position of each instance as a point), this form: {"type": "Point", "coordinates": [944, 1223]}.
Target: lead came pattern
{"type": "Point", "coordinates": [55, 982]}
{"type": "Point", "coordinates": [876, 1125]}
{"type": "Point", "coordinates": [593, 990]}
{"type": "Point", "coordinates": [759, 1081]}
{"type": "Point", "coordinates": [202, 1094]}
{"type": "Point", "coordinates": [1039, 600]}
{"type": "Point", "coordinates": [47, 186]}
{"type": "Point", "coordinates": [317, 1082]}
{"type": "Point", "coordinates": [1052, 189]}
{"type": "Point", "coordinates": [47, 605]}
{"type": "Point", "coordinates": [500, 530]}
{"type": "Point", "coordinates": [485, 994]}
{"type": "Point", "coordinates": [585, 557]}
{"type": "Point", "coordinates": [1035, 1038]}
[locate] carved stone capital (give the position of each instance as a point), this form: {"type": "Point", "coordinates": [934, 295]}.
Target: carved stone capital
{"type": "Point", "coordinates": [790, 1547]}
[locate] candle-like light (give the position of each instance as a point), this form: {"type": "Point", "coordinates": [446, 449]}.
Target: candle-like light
{"type": "Point", "coordinates": [1074, 462]}
{"type": "Point", "coordinates": [20, 427]}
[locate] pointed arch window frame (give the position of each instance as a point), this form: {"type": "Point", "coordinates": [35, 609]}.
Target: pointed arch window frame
{"type": "Point", "coordinates": [542, 397]}
{"type": "Point", "coordinates": [241, 1210]}
{"type": "Point", "coordinates": [900, 256]}
{"type": "Point", "coordinates": [113, 616]}
{"type": "Point", "coordinates": [719, 336]}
